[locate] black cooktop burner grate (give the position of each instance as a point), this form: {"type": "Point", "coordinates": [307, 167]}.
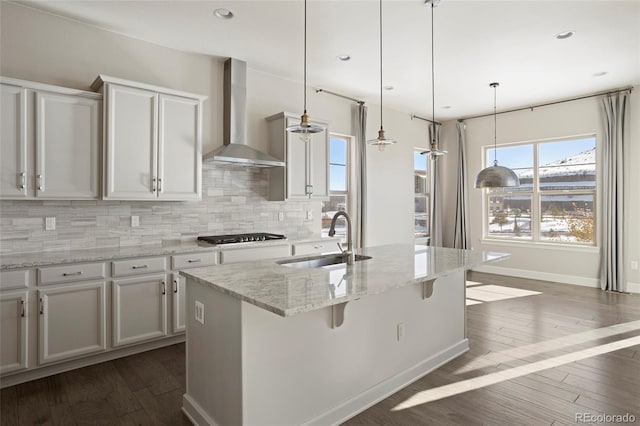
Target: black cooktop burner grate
{"type": "Point", "coordinates": [241, 238]}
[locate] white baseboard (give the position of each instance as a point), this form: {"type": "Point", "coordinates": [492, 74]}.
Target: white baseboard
{"type": "Point", "coordinates": [633, 287]}
{"type": "Point", "coordinates": [48, 370]}
{"type": "Point", "coordinates": [195, 413]}
{"type": "Point", "coordinates": [386, 388]}
{"type": "Point", "coordinates": [537, 275]}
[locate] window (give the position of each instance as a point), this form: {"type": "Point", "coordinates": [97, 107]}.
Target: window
{"type": "Point", "coordinates": [338, 184]}
{"type": "Point", "coordinates": [555, 201]}
{"type": "Point", "coordinates": [421, 194]}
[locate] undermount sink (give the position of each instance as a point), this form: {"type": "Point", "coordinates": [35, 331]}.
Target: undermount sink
{"type": "Point", "coordinates": [319, 261]}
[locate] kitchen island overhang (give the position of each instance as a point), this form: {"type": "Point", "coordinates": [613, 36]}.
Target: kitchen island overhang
{"type": "Point", "coordinates": [246, 365]}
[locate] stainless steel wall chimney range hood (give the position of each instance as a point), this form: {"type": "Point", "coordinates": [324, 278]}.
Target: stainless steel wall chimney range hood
{"type": "Point", "coordinates": [235, 149]}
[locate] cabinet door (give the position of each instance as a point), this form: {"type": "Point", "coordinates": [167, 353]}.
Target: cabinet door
{"type": "Point", "coordinates": [319, 164]}
{"type": "Point", "coordinates": [179, 149]}
{"type": "Point", "coordinates": [131, 143]}
{"type": "Point", "coordinates": [72, 321]}
{"type": "Point", "coordinates": [66, 146]}
{"type": "Point", "coordinates": [297, 177]}
{"type": "Point", "coordinates": [139, 309]}
{"type": "Point", "coordinates": [179, 294]}
{"type": "Point", "coordinates": [13, 145]}
{"type": "Point", "coordinates": [13, 332]}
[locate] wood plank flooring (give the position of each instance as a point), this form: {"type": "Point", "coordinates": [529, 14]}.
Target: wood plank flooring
{"type": "Point", "coordinates": [506, 336]}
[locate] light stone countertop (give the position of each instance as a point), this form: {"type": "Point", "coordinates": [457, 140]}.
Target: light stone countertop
{"type": "Point", "coordinates": [288, 291]}
{"type": "Point", "coordinates": [36, 259]}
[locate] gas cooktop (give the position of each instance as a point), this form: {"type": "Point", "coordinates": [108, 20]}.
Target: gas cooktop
{"type": "Point", "coordinates": [241, 238]}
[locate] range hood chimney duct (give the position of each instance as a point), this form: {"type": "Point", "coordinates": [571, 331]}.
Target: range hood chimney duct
{"type": "Point", "coordinates": [235, 149]}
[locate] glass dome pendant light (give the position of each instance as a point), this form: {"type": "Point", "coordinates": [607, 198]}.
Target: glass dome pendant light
{"type": "Point", "coordinates": [433, 150]}
{"type": "Point", "coordinates": [305, 129]}
{"type": "Point", "coordinates": [381, 141]}
{"type": "Point", "coordinates": [496, 176]}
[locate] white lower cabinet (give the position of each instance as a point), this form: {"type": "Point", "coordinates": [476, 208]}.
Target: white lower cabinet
{"type": "Point", "coordinates": [179, 293]}
{"type": "Point", "coordinates": [13, 331]}
{"type": "Point", "coordinates": [72, 321]}
{"type": "Point", "coordinates": [139, 309]}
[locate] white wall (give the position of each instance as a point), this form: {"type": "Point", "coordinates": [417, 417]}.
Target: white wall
{"type": "Point", "coordinates": [46, 48]}
{"type": "Point", "coordinates": [543, 261]}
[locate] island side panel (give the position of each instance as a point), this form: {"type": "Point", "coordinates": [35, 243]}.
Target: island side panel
{"type": "Point", "coordinates": [298, 370]}
{"type": "Point", "coordinates": [214, 362]}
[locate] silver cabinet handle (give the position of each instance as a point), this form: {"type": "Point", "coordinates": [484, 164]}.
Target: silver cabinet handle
{"type": "Point", "coordinates": [71, 274]}
{"type": "Point", "coordinates": [40, 182]}
{"type": "Point", "coordinates": [139, 266]}
{"type": "Point", "coordinates": [159, 185]}
{"type": "Point", "coordinates": [153, 185]}
{"type": "Point", "coordinates": [194, 260]}
{"type": "Point", "coordinates": [175, 286]}
{"type": "Point", "coordinates": [22, 308]}
{"type": "Point", "coordinates": [22, 176]}
{"type": "Point", "coordinates": [41, 306]}
{"type": "Point", "coordinates": [318, 246]}
{"type": "Point", "coordinates": [164, 288]}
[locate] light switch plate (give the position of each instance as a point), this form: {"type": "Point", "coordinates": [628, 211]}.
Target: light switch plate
{"type": "Point", "coordinates": [135, 221]}
{"type": "Point", "coordinates": [200, 312]}
{"type": "Point", "coordinates": [49, 223]}
{"type": "Point", "coordinates": [309, 214]}
{"type": "Point", "coordinates": [634, 264]}
{"type": "Point", "coordinates": [280, 216]}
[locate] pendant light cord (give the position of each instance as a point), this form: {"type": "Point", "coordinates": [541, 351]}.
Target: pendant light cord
{"type": "Point", "coordinates": [433, 78]}
{"type": "Point", "coordinates": [305, 57]}
{"type": "Point", "coordinates": [380, 64]}
{"type": "Point", "coordinates": [495, 127]}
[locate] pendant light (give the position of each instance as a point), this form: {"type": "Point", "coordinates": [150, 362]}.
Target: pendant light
{"type": "Point", "coordinates": [433, 150]}
{"type": "Point", "coordinates": [496, 176]}
{"type": "Point", "coordinates": [381, 141]}
{"type": "Point", "coordinates": [305, 129]}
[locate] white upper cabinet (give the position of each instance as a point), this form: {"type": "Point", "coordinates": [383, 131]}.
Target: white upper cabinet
{"type": "Point", "coordinates": [153, 141]}
{"type": "Point", "coordinates": [306, 173]}
{"type": "Point", "coordinates": [50, 142]}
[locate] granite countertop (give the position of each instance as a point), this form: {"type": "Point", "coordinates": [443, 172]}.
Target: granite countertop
{"type": "Point", "coordinates": [288, 291]}
{"type": "Point", "coordinates": [36, 259]}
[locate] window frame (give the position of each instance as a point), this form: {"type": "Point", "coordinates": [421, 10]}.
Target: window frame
{"type": "Point", "coordinates": [536, 198]}
{"type": "Point", "coordinates": [426, 195]}
{"type": "Point", "coordinates": [349, 193]}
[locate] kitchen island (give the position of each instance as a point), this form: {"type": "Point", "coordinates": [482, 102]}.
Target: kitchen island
{"type": "Point", "coordinates": [273, 344]}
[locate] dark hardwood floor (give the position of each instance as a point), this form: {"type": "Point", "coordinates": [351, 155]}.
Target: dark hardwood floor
{"type": "Point", "coordinates": [537, 359]}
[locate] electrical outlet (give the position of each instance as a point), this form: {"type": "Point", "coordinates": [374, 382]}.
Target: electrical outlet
{"type": "Point", "coordinates": [200, 312]}
{"type": "Point", "coordinates": [400, 330]}
{"type": "Point", "coordinates": [49, 223]}
{"type": "Point", "coordinates": [309, 214]}
{"type": "Point", "coordinates": [135, 221]}
{"type": "Point", "coordinates": [634, 265]}
{"type": "Point", "coordinates": [280, 216]}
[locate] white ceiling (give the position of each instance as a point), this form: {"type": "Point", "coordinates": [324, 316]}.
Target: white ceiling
{"type": "Point", "coordinates": [476, 42]}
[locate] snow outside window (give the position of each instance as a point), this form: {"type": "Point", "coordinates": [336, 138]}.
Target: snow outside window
{"type": "Point", "coordinates": [555, 201]}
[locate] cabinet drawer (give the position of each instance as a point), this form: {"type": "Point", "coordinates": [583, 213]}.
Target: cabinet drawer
{"type": "Point", "coordinates": [314, 247]}
{"type": "Point", "coordinates": [69, 273]}
{"type": "Point", "coordinates": [255, 253]}
{"type": "Point", "coordinates": [14, 279]}
{"type": "Point", "coordinates": [183, 261]}
{"type": "Point", "coordinates": [138, 266]}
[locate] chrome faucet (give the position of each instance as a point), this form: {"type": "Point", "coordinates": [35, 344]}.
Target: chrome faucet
{"type": "Point", "coordinates": [350, 256]}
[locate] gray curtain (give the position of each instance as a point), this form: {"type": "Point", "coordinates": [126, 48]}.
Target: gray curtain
{"type": "Point", "coordinates": [461, 230]}
{"type": "Point", "coordinates": [360, 126]}
{"type": "Point", "coordinates": [612, 274]}
{"type": "Point", "coordinates": [435, 215]}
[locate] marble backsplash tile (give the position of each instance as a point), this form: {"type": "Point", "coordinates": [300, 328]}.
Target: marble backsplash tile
{"type": "Point", "coordinates": [234, 200]}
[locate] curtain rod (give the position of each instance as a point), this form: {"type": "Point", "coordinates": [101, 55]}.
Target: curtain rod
{"type": "Point", "coordinates": [424, 119]}
{"type": "Point", "coordinates": [358, 101]}
{"type": "Point", "coordinates": [611, 92]}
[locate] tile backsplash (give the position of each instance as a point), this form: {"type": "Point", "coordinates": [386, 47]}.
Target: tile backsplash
{"type": "Point", "coordinates": [234, 200]}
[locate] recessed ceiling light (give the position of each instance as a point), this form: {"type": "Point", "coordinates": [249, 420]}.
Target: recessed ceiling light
{"type": "Point", "coordinates": [223, 13]}
{"type": "Point", "coordinates": [446, 107]}
{"type": "Point", "coordinates": [388, 87]}
{"type": "Point", "coordinates": [343, 57]}
{"type": "Point", "coordinates": [564, 35]}
{"type": "Point", "coordinates": [600, 74]}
